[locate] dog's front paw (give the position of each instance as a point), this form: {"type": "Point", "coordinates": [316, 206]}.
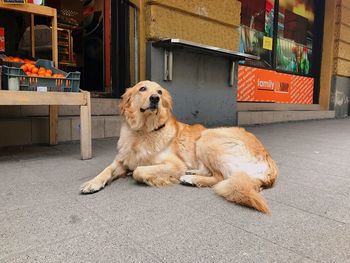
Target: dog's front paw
{"type": "Point", "coordinates": [187, 180]}
{"type": "Point", "coordinates": [91, 186]}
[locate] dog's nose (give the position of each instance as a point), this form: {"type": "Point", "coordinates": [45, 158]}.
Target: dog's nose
{"type": "Point", "coordinates": [154, 99]}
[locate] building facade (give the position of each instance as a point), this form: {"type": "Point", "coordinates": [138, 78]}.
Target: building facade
{"type": "Point", "coordinates": [303, 71]}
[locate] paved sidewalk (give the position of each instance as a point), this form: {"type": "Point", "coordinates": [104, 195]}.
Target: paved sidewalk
{"type": "Point", "coordinates": [44, 219]}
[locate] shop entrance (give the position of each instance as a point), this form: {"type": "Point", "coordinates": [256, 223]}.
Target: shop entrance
{"type": "Point", "coordinates": [99, 43]}
{"type": "Point", "coordinates": [95, 37]}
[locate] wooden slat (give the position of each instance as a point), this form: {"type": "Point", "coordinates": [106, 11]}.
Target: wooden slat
{"type": "Point", "coordinates": [53, 119]}
{"type": "Point", "coordinates": [142, 40]}
{"type": "Point", "coordinates": [85, 129]}
{"type": "Point", "coordinates": [41, 98]}
{"type": "Point", "coordinates": [32, 35]}
{"type": "Point", "coordinates": [54, 39]}
{"type": "Point", "coordinates": [29, 8]}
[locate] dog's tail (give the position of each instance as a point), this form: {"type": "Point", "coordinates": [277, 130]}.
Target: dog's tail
{"type": "Point", "coordinates": [272, 173]}
{"type": "Point", "coordinates": [241, 189]}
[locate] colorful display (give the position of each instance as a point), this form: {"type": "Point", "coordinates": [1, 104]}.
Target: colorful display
{"type": "Point", "coordinates": [295, 36]}
{"type": "Point", "coordinates": [261, 85]}
{"type": "Point", "coordinates": [294, 33]}
{"type": "Point", "coordinates": [257, 29]}
{"type": "Point", "coordinates": [288, 50]}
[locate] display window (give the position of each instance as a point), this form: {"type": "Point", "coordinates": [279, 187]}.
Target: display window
{"type": "Point", "coordinates": [97, 38]}
{"type": "Point", "coordinates": [295, 36]}
{"type": "Point", "coordinates": [257, 29]}
{"type": "Point", "coordinates": [287, 36]}
{"type": "Point", "coordinates": [284, 42]}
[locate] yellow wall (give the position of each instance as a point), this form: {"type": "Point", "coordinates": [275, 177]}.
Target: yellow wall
{"type": "Point", "coordinates": [214, 23]}
{"type": "Point", "coordinates": [342, 39]}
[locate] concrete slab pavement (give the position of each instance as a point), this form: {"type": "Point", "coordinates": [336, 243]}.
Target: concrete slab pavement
{"type": "Point", "coordinates": [44, 219]}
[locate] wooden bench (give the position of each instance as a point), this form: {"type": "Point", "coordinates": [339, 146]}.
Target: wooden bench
{"type": "Point", "coordinates": [53, 100]}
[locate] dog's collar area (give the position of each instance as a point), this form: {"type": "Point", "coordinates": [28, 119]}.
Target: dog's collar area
{"type": "Point", "coordinates": [159, 128]}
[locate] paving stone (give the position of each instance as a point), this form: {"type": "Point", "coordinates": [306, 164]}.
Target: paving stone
{"type": "Point", "coordinates": [30, 227]}
{"type": "Point", "coordinates": [102, 245]}
{"type": "Point", "coordinates": [43, 218]}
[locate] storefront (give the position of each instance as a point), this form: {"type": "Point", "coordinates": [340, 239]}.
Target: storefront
{"type": "Point", "coordinates": [287, 35]}
{"type": "Point", "coordinates": [302, 72]}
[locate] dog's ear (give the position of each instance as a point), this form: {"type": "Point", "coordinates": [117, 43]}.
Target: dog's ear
{"type": "Point", "coordinates": [167, 100]}
{"type": "Point", "coordinates": [126, 100]}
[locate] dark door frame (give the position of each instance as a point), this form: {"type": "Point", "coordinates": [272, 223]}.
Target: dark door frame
{"type": "Point", "coordinates": [120, 47]}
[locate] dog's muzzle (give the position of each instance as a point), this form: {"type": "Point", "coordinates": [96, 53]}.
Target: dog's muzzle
{"type": "Point", "coordinates": [153, 103]}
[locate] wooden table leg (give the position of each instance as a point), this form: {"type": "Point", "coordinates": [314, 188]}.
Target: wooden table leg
{"type": "Point", "coordinates": [85, 129]}
{"type": "Point", "coordinates": [53, 117]}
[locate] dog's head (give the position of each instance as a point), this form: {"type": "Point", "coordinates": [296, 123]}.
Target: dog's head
{"type": "Point", "coordinates": [146, 106]}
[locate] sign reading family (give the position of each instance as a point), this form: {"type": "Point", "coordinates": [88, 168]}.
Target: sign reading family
{"type": "Point", "coordinates": [261, 85]}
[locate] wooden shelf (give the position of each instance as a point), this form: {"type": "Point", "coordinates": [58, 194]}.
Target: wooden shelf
{"type": "Point", "coordinates": [53, 99]}
{"type": "Point", "coordinates": [8, 97]}
{"type": "Point", "coordinates": [30, 8]}
{"type": "Point", "coordinates": [40, 10]}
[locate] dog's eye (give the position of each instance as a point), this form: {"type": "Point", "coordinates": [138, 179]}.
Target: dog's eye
{"type": "Point", "coordinates": [143, 88]}
{"type": "Point", "coordinates": [160, 92]}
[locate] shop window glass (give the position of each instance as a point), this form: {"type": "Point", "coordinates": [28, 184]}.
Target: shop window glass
{"type": "Point", "coordinates": [295, 36]}
{"type": "Point", "coordinates": [295, 31]}
{"type": "Point", "coordinates": [257, 18]}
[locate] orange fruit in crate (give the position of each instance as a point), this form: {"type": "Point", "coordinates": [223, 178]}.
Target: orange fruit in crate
{"type": "Point", "coordinates": [16, 59]}
{"type": "Point", "coordinates": [24, 67]}
{"type": "Point", "coordinates": [47, 74]}
{"type": "Point", "coordinates": [49, 71]}
{"type": "Point", "coordinates": [30, 67]}
{"type": "Point", "coordinates": [29, 73]}
{"type": "Point", "coordinates": [41, 74]}
{"type": "Point", "coordinates": [34, 74]}
{"type": "Point", "coordinates": [35, 70]}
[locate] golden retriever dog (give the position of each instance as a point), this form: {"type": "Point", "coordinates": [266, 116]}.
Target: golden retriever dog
{"type": "Point", "coordinates": [160, 151]}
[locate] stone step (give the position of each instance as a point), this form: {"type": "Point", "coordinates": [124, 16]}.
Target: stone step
{"type": "Point", "coordinates": [254, 106]}
{"type": "Point", "coordinates": [35, 130]}
{"type": "Point", "coordinates": [263, 117]}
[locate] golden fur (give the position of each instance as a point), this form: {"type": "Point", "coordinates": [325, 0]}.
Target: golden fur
{"type": "Point", "coordinates": [161, 151]}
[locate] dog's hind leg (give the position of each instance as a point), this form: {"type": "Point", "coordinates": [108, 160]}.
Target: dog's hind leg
{"type": "Point", "coordinates": [166, 173]}
{"type": "Point", "coordinates": [200, 180]}
{"type": "Point", "coordinates": [110, 173]}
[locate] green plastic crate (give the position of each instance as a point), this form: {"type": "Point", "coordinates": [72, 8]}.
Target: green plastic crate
{"type": "Point", "coordinates": [70, 83]}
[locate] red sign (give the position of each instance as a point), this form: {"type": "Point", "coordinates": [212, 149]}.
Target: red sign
{"type": "Point", "coordinates": [2, 39]}
{"type": "Point", "coordinates": [261, 85]}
